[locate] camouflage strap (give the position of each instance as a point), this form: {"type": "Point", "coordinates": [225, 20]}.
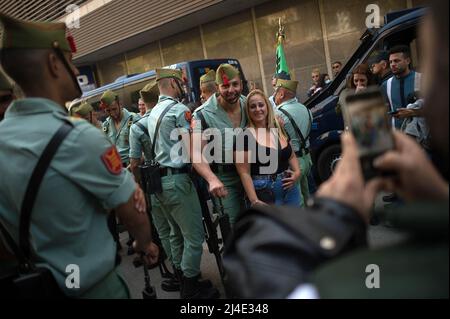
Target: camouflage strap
{"type": "Point", "coordinates": [34, 183]}
{"type": "Point", "coordinates": [297, 129]}
{"type": "Point", "coordinates": [142, 127]}
{"type": "Point", "coordinates": [155, 136]}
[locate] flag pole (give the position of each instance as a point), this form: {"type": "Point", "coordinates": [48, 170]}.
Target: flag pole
{"type": "Point", "coordinates": [282, 68]}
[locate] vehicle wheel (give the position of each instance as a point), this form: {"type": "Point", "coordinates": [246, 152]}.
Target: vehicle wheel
{"type": "Point", "coordinates": [327, 161]}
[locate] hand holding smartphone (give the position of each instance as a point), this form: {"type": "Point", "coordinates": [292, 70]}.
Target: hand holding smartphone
{"type": "Point", "coordinates": [393, 112]}
{"type": "Point", "coordinates": [365, 115]}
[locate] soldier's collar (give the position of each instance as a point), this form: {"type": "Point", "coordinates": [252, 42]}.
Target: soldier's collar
{"type": "Point", "coordinates": [34, 106]}
{"type": "Point", "coordinates": [163, 98]}
{"type": "Point", "coordinates": [293, 100]}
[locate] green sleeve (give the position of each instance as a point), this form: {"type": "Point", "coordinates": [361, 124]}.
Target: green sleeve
{"type": "Point", "coordinates": [87, 164]}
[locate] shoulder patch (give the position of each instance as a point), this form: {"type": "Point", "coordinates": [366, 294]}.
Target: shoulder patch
{"type": "Point", "coordinates": [112, 161]}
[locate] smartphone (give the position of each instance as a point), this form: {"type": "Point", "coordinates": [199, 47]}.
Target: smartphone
{"type": "Point", "coordinates": [365, 115]}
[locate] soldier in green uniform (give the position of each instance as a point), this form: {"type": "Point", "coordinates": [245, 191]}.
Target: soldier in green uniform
{"type": "Point", "coordinates": [117, 128]}
{"type": "Point", "coordinates": [330, 237]}
{"type": "Point", "coordinates": [85, 111]}
{"type": "Point", "coordinates": [6, 94]}
{"type": "Point", "coordinates": [178, 201]}
{"type": "Point", "coordinates": [139, 137]}
{"type": "Point", "coordinates": [84, 179]}
{"type": "Point", "coordinates": [207, 85]}
{"type": "Point", "coordinates": [117, 125]}
{"type": "Point", "coordinates": [140, 146]}
{"type": "Point", "coordinates": [297, 121]}
{"type": "Point", "coordinates": [224, 111]}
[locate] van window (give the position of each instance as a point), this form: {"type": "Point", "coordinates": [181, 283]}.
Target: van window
{"type": "Point", "coordinates": [199, 71]}
{"type": "Point", "coordinates": [402, 37]}
{"type": "Point", "coordinates": [130, 95]}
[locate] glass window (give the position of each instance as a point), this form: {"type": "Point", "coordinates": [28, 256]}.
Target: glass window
{"type": "Point", "coordinates": [144, 59]}
{"type": "Point", "coordinates": [233, 37]}
{"type": "Point", "coordinates": [184, 46]}
{"type": "Point", "coordinates": [112, 68]}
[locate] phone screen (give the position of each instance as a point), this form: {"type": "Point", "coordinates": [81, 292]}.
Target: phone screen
{"type": "Point", "coordinates": [365, 115]}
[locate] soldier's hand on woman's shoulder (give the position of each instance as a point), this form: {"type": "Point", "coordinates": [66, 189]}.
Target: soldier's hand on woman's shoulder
{"type": "Point", "coordinates": [347, 184]}
{"type": "Point", "coordinates": [416, 178]}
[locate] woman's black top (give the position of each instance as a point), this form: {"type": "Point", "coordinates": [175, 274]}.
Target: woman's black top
{"type": "Point", "coordinates": [247, 142]}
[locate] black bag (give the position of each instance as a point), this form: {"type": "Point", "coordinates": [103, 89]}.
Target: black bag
{"type": "Point", "coordinates": [26, 280]}
{"type": "Point", "coordinates": [266, 195]}
{"type": "Point", "coordinates": [151, 178]}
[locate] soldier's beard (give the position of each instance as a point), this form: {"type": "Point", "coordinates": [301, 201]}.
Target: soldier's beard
{"type": "Point", "coordinates": [231, 98]}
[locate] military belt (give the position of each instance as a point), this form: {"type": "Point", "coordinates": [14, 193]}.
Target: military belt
{"type": "Point", "coordinates": [166, 171]}
{"type": "Point", "coordinates": [223, 168]}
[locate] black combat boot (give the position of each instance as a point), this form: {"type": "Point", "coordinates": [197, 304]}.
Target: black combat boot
{"type": "Point", "coordinates": [173, 283]}
{"type": "Point", "coordinates": [193, 289]}
{"type": "Point", "coordinates": [179, 275]}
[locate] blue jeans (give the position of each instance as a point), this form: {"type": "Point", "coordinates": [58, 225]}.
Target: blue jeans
{"type": "Point", "coordinates": [274, 185]}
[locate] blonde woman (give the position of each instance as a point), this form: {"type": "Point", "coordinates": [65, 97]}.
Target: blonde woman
{"type": "Point", "coordinates": [264, 157]}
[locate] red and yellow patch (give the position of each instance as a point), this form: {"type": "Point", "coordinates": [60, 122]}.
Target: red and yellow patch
{"type": "Point", "coordinates": [188, 116]}
{"type": "Point", "coordinates": [112, 161]}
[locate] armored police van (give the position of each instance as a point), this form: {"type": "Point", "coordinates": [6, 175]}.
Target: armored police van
{"type": "Point", "coordinates": [128, 87]}
{"type": "Point", "coordinates": [400, 28]}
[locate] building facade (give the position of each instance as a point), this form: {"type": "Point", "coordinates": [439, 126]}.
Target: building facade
{"type": "Point", "coordinates": [123, 37]}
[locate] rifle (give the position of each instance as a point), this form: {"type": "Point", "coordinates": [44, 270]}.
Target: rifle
{"type": "Point", "coordinates": [149, 291]}
{"type": "Point", "coordinates": [210, 224]}
{"type": "Point", "coordinates": [222, 220]}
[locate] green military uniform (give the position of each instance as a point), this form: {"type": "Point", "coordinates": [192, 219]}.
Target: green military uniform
{"type": "Point", "coordinates": [82, 109]}
{"type": "Point", "coordinates": [178, 202]}
{"type": "Point", "coordinates": [139, 137]}
{"type": "Point", "coordinates": [215, 117]}
{"type": "Point", "coordinates": [68, 222]}
{"type": "Point", "coordinates": [303, 120]}
{"type": "Point", "coordinates": [140, 143]}
{"type": "Point", "coordinates": [119, 137]}
{"type": "Point", "coordinates": [69, 228]}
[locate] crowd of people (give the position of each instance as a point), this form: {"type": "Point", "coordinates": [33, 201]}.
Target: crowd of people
{"type": "Point", "coordinates": [92, 181]}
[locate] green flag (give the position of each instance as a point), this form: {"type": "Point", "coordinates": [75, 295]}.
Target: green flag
{"type": "Point", "coordinates": [282, 69]}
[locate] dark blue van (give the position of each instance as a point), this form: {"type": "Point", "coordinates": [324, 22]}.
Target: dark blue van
{"type": "Point", "coordinates": [400, 28]}
{"type": "Point", "coordinates": [128, 87]}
